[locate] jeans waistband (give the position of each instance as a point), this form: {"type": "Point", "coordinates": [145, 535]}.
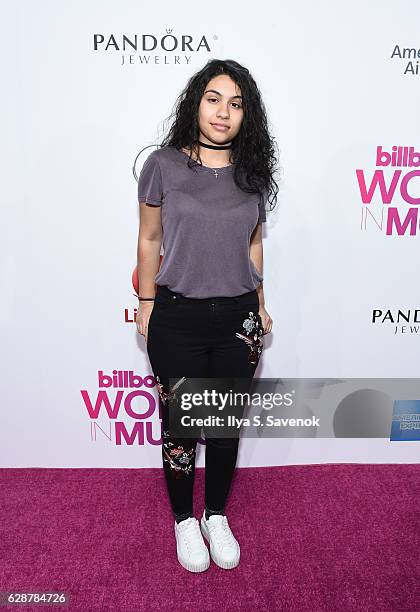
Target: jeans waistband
{"type": "Point", "coordinates": [248, 297]}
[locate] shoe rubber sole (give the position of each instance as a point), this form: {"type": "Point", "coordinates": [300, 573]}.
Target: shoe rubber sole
{"type": "Point", "coordinates": [193, 568]}
{"type": "Point", "coordinates": [219, 562]}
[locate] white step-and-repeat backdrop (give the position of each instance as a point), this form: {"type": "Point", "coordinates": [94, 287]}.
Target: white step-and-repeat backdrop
{"type": "Point", "coordinates": [86, 85]}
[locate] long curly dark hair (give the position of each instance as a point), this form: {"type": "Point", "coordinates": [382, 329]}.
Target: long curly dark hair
{"type": "Point", "coordinates": [253, 149]}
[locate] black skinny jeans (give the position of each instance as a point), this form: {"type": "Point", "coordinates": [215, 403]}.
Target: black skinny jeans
{"type": "Point", "coordinates": [194, 337]}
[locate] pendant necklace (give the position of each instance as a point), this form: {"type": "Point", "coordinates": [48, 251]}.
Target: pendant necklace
{"type": "Point", "coordinates": [217, 147]}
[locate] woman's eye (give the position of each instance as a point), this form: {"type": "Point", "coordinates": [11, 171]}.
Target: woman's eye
{"type": "Point", "coordinates": [215, 100]}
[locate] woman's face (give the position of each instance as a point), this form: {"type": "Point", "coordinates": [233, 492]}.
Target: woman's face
{"type": "Point", "coordinates": [221, 104]}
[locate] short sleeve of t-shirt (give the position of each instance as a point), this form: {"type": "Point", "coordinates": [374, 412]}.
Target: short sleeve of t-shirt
{"type": "Point", "coordinates": [262, 215]}
{"type": "Point", "coordinates": [149, 186]}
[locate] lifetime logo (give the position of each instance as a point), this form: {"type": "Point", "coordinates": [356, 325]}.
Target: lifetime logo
{"type": "Point", "coordinates": [392, 219]}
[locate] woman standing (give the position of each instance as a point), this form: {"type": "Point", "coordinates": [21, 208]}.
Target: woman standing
{"type": "Point", "coordinates": [203, 193]}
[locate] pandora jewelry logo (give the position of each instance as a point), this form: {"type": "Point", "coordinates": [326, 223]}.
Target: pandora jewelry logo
{"type": "Point", "coordinates": [402, 321]}
{"type": "Point", "coordinates": [168, 48]}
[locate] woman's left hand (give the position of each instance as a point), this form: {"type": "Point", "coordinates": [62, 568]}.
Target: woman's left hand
{"type": "Point", "coordinates": [266, 320]}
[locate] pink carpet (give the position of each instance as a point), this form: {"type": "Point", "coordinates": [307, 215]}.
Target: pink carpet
{"type": "Point", "coordinates": [335, 537]}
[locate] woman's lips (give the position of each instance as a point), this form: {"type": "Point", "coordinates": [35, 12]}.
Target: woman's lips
{"type": "Point", "coordinates": [220, 128]}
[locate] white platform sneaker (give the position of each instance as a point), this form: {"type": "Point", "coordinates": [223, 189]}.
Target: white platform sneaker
{"type": "Point", "coordinates": [224, 547]}
{"type": "Point", "coordinates": [191, 550]}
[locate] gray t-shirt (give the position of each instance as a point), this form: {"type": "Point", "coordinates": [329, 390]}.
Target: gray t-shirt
{"type": "Point", "coordinates": [207, 224]}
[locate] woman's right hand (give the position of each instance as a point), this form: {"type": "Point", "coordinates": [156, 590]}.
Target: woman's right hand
{"type": "Point", "coordinates": [142, 318]}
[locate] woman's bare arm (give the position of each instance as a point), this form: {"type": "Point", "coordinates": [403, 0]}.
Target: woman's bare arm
{"type": "Point", "coordinates": [148, 260]}
{"type": "Point", "coordinates": [148, 248]}
{"type": "Point", "coordinates": [257, 257]}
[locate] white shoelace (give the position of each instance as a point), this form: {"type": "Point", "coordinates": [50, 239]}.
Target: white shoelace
{"type": "Point", "coordinates": [220, 530]}
{"type": "Point", "coordinates": [191, 534]}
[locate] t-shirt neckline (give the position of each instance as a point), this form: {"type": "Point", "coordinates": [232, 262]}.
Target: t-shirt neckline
{"type": "Point", "coordinates": [207, 168]}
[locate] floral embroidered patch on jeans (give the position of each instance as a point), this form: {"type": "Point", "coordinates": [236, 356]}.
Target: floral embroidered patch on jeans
{"type": "Point", "coordinates": [253, 336]}
{"type": "Point", "coordinates": [166, 396]}
{"type": "Point", "coordinates": [178, 459]}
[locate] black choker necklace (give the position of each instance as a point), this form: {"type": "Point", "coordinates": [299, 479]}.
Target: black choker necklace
{"type": "Point", "coordinates": [217, 147]}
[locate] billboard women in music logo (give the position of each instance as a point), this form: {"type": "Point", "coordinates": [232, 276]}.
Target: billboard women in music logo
{"type": "Point", "coordinates": [391, 196]}
{"type": "Point", "coordinates": [122, 410]}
